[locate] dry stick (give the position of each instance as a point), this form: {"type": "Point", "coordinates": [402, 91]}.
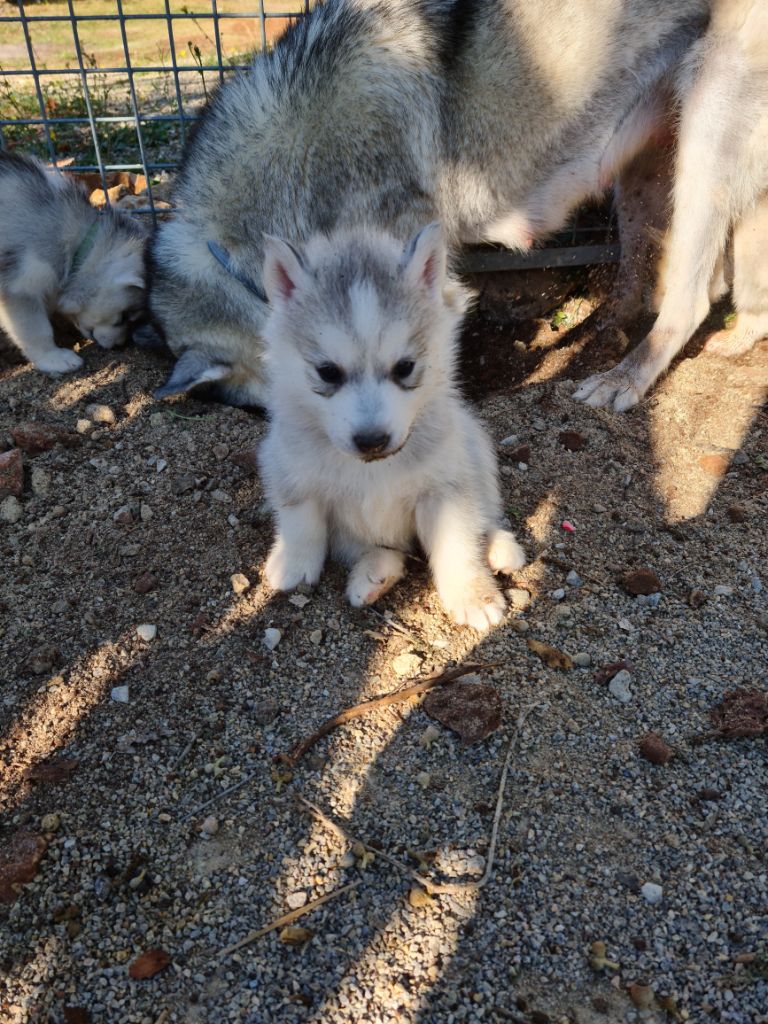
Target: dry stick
{"type": "Point", "coordinates": [292, 757]}
{"type": "Point", "coordinates": [164, 1015]}
{"type": "Point", "coordinates": [219, 796]}
{"type": "Point", "coordinates": [441, 887]}
{"type": "Point", "coordinates": [287, 919]}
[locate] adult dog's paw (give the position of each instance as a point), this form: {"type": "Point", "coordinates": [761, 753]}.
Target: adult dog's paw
{"type": "Point", "coordinates": [286, 569]}
{"type": "Point", "coordinates": [616, 389]}
{"type": "Point", "coordinates": [58, 360]}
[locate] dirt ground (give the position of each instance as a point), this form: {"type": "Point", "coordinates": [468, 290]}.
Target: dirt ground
{"type": "Point", "coordinates": [142, 767]}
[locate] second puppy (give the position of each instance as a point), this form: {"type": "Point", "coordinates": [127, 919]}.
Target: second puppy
{"type": "Point", "coordinates": [370, 447]}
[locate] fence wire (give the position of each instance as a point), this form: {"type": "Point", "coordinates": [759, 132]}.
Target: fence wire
{"type": "Point", "coordinates": [95, 101]}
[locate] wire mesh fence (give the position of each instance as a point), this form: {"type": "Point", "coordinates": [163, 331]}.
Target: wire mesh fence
{"type": "Point", "coordinates": [108, 89]}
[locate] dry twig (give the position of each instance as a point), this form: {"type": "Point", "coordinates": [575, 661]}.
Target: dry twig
{"type": "Point", "coordinates": [439, 678]}
{"type": "Point", "coordinates": [454, 888]}
{"type": "Point", "coordinates": [219, 796]}
{"type": "Point", "coordinates": [288, 918]}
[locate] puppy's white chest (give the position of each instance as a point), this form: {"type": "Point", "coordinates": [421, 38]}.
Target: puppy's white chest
{"type": "Point", "coordinates": [379, 516]}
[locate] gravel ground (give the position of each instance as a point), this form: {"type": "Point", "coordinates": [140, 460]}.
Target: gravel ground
{"type": "Point", "coordinates": [144, 521]}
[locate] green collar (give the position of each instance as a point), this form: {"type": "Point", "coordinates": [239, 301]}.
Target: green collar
{"type": "Point", "coordinates": [84, 248]}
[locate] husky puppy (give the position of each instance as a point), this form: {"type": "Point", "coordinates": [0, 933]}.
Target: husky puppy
{"type": "Point", "coordinates": [369, 447]}
{"type": "Point", "coordinates": [495, 118]}
{"type": "Point", "coordinates": [59, 255]}
{"type": "Point", "coordinates": [720, 185]}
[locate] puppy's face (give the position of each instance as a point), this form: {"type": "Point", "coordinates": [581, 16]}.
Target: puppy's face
{"type": "Point", "coordinates": [361, 335]}
{"type": "Point", "coordinates": [105, 305]}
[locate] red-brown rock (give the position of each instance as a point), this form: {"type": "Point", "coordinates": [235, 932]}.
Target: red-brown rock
{"type": "Point", "coordinates": [34, 438]}
{"type": "Point", "coordinates": [11, 474]}
{"type": "Point", "coordinates": [19, 860]}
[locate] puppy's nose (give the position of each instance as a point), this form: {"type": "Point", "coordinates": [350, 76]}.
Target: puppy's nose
{"type": "Point", "coordinates": [371, 442]}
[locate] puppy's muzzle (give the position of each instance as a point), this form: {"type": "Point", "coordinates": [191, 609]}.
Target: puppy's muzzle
{"type": "Point", "coordinates": [372, 444]}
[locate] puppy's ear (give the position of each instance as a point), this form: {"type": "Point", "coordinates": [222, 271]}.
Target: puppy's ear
{"type": "Point", "coordinates": [424, 258]}
{"type": "Point", "coordinates": [130, 279]}
{"type": "Point", "coordinates": [191, 369]}
{"type": "Point", "coordinates": [284, 270]}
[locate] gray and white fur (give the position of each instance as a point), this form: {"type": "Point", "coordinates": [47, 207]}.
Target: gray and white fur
{"type": "Point", "coordinates": [59, 255]}
{"type": "Point", "coordinates": [494, 117]}
{"type": "Point", "coordinates": [370, 449]}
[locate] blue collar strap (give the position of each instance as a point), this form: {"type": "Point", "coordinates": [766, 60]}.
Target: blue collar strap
{"type": "Point", "coordinates": [220, 253]}
{"type": "Point", "coordinates": [81, 252]}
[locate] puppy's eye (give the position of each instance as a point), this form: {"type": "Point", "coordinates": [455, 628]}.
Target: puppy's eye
{"type": "Point", "coordinates": [330, 373]}
{"type": "Point", "coordinates": [403, 369]}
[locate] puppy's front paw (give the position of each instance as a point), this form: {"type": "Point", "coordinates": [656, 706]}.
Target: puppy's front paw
{"type": "Point", "coordinates": [731, 343]}
{"type": "Point", "coordinates": [478, 604]}
{"type": "Point", "coordinates": [286, 569]}
{"type": "Point", "coordinates": [615, 388]}
{"type": "Point", "coordinates": [504, 553]}
{"type": "Point", "coordinates": [58, 360]}
{"type": "Point", "coordinates": [375, 574]}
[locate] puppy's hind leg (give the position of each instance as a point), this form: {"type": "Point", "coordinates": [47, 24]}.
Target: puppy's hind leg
{"type": "Point", "coordinates": [373, 575]}
{"type": "Point", "coordinates": [298, 553]}
{"type": "Point", "coordinates": [26, 321]}
{"type": "Point", "coordinates": [447, 529]}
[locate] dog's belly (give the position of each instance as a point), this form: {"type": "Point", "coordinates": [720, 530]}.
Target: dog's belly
{"type": "Point", "coordinates": [372, 520]}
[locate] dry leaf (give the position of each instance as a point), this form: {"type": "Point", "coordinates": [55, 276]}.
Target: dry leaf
{"type": "Point", "coordinates": [551, 657]}
{"type": "Point", "coordinates": [76, 1015]}
{"type": "Point", "coordinates": [19, 860]}
{"type": "Point", "coordinates": [641, 581]}
{"type": "Point", "coordinates": [53, 770]}
{"type": "Point", "coordinates": [572, 440]}
{"type": "Point", "coordinates": [606, 672]}
{"type": "Point", "coordinates": [655, 749]}
{"type": "Point", "coordinates": [294, 935]}
{"type": "Point", "coordinates": [741, 713]}
{"type": "Point", "coordinates": [149, 964]}
{"type": "Point", "coordinates": [418, 897]}
{"type": "Point", "coordinates": [472, 710]}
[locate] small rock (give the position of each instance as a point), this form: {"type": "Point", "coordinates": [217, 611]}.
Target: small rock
{"type": "Point", "coordinates": [619, 686]}
{"type": "Point", "coordinates": [247, 460]}
{"type": "Point", "coordinates": [651, 892]}
{"type": "Point", "coordinates": [626, 625]}
{"type": "Point", "coordinates": [41, 482]}
{"type": "Point", "coordinates": [145, 583]}
{"type": "Point", "coordinates": [146, 631]}
{"type": "Point", "coordinates": [11, 474]}
{"type": "Point", "coordinates": [641, 581]}
{"type": "Point", "coordinates": [295, 936]}
{"type": "Point", "coordinates": [265, 711]}
{"type": "Point", "coordinates": [220, 451]}
{"type": "Point", "coordinates": [299, 600]}
{"type": "Point", "coordinates": [101, 414]}
{"type": "Point", "coordinates": [518, 598]}
{"type": "Point", "coordinates": [714, 465]}
{"type": "Point", "coordinates": [572, 441]}
{"type": "Point", "coordinates": [156, 419]}
{"type": "Point", "coordinates": [521, 454]}
{"type": "Point", "coordinates": [184, 484]}
{"type": "Point", "coordinates": [348, 860]}
{"type": "Point", "coordinates": [723, 591]}
{"type": "Point", "coordinates": [11, 510]}
{"type": "Point", "coordinates": [83, 426]}
{"type": "Point", "coordinates": [739, 458]}
{"type": "Point", "coordinates": [160, 465]}
{"type": "Point", "coordinates": [220, 496]}
{"type": "Point", "coordinates": [655, 749]}
{"type": "Point", "coordinates": [240, 583]}
{"type": "Point", "coordinates": [296, 899]}
{"type": "Point", "coordinates": [582, 660]}
{"type": "Point", "coordinates": [50, 822]}
{"type": "Point", "coordinates": [557, 595]}
{"type": "Point", "coordinates": [641, 994]}
{"type": "Point", "coordinates": [145, 512]}
{"type": "Point", "coordinates": [757, 585]}
{"type": "Point", "coordinates": [509, 440]}
{"type": "Point", "coordinates": [43, 659]}
{"type": "Point", "coordinates": [573, 579]}
{"type": "Point", "coordinates": [406, 664]}
{"type": "Point", "coordinates": [272, 638]}
{"type": "Point", "coordinates": [696, 598]}
{"type": "Point", "coordinates": [316, 637]}
{"type": "Point", "coordinates": [424, 779]}
{"type": "Point", "coordinates": [210, 826]}
{"type": "Point", "coordinates": [123, 516]}
{"type": "Point", "coordinates": [428, 737]}
{"type": "Point", "coordinates": [418, 897]}
{"type": "Point", "coordinates": [120, 694]}
{"type": "Point", "coordinates": [34, 438]}
{"type": "Point", "coordinates": [520, 625]}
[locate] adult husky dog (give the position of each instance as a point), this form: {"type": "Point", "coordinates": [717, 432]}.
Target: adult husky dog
{"type": "Point", "coordinates": [369, 446]}
{"type": "Point", "coordinates": [58, 255]}
{"type": "Point", "coordinates": [494, 117]}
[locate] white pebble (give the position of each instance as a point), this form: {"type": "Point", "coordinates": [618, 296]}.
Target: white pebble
{"type": "Point", "coordinates": [210, 826]}
{"type": "Point", "coordinates": [619, 686]}
{"type": "Point", "coordinates": [722, 591]}
{"type": "Point", "coordinates": [573, 579]}
{"type": "Point", "coordinates": [512, 439]}
{"type": "Point", "coordinates": [146, 631]}
{"type": "Point", "coordinates": [582, 660]}
{"type": "Point", "coordinates": [100, 414]}
{"type": "Point", "coordinates": [298, 600]}
{"type": "Point", "coordinates": [120, 694]}
{"type": "Point", "coordinates": [316, 636]}
{"type": "Point", "coordinates": [272, 638]}
{"type": "Point", "coordinates": [240, 582]}
{"type": "Point", "coordinates": [652, 893]}
{"type": "Point", "coordinates": [296, 900]}
{"type": "Point", "coordinates": [11, 510]}
{"type": "Point", "coordinates": [557, 595]}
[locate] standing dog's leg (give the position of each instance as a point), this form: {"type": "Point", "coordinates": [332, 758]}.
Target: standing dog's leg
{"type": "Point", "coordinates": [298, 553]}
{"type": "Point", "coordinates": [447, 529]}
{"type": "Point", "coordinates": [750, 286]}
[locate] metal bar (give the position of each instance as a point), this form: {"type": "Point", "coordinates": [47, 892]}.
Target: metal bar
{"type": "Point", "coordinates": [99, 119]}
{"type": "Point", "coordinates": [217, 37]}
{"type": "Point", "coordinates": [142, 69]}
{"type": "Point", "coordinates": [177, 85]}
{"type": "Point", "coordinates": [481, 261]}
{"type": "Point", "coordinates": [188, 16]}
{"type": "Point", "coordinates": [263, 26]}
{"type": "Point", "coordinates": [88, 105]}
{"type": "Point", "coordinates": [135, 108]}
{"type": "Point", "coordinates": [38, 90]}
